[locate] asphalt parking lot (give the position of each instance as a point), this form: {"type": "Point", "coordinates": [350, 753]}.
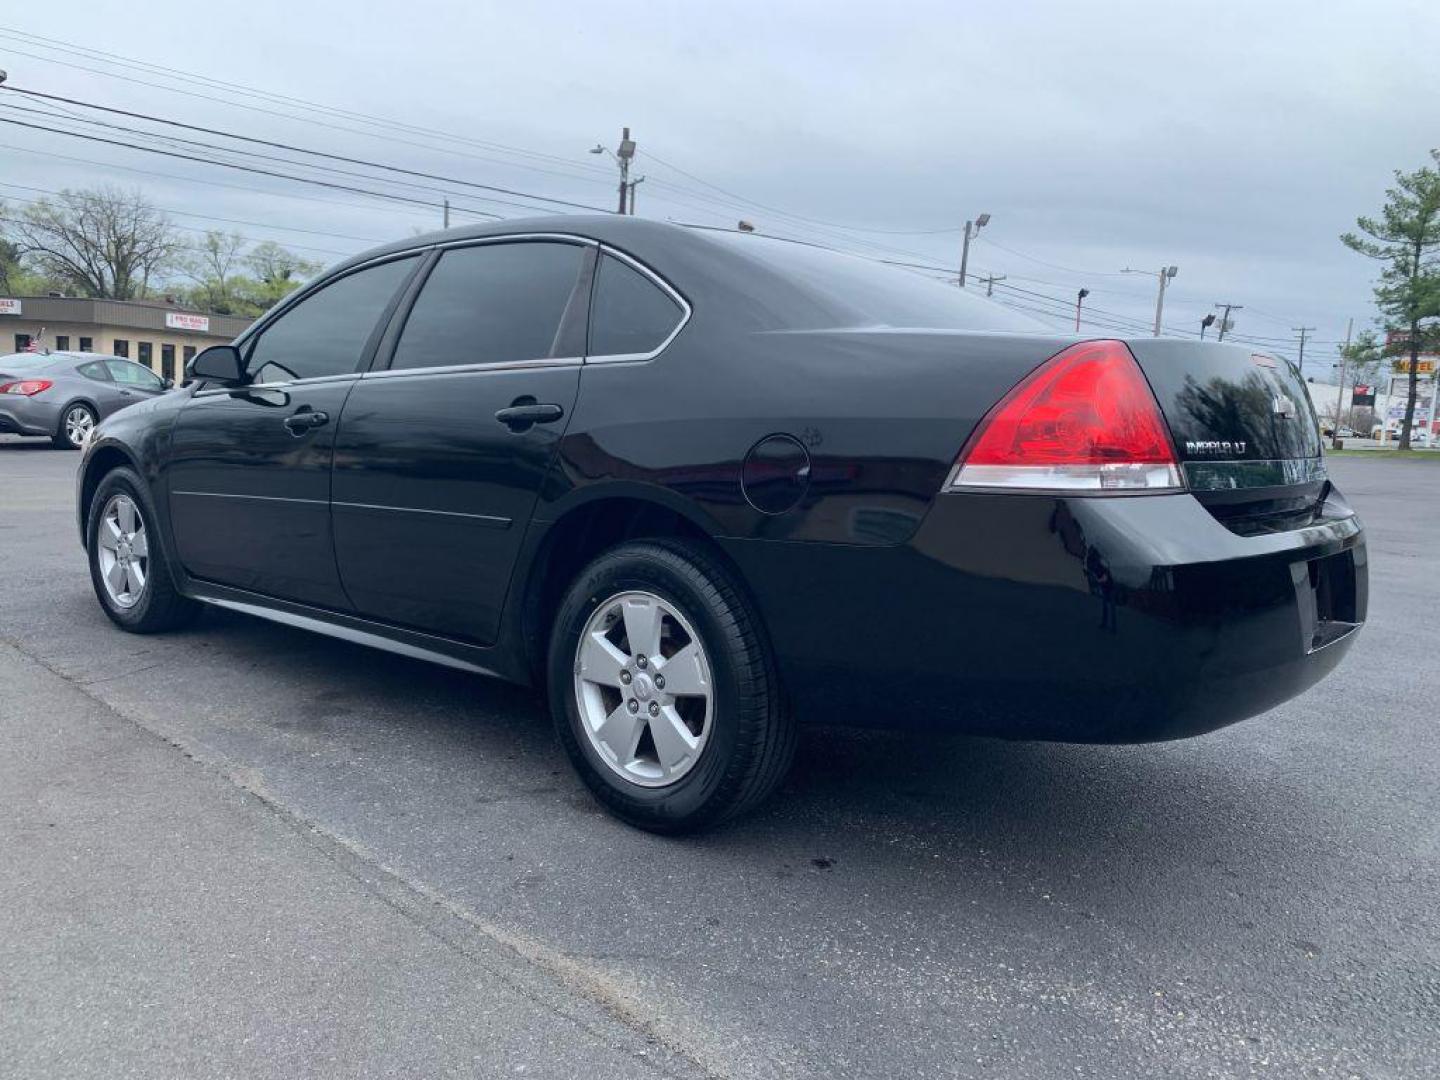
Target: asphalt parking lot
{"type": "Point", "coordinates": [246, 850]}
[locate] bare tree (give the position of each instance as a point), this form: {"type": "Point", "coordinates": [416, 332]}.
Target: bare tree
{"type": "Point", "coordinates": [211, 264]}
{"type": "Point", "coordinates": [105, 242]}
{"type": "Point", "coordinates": [278, 270]}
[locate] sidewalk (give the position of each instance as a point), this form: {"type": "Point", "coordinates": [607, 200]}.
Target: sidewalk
{"type": "Point", "coordinates": [156, 919]}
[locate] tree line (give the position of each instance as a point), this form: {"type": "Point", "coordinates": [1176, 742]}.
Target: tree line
{"type": "Point", "coordinates": [113, 244]}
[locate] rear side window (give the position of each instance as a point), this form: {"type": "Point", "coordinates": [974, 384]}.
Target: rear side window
{"type": "Point", "coordinates": [128, 374]}
{"type": "Point", "coordinates": [94, 370]}
{"type": "Point", "coordinates": [326, 333]}
{"type": "Point", "coordinates": [629, 313]}
{"type": "Point", "coordinates": [490, 304]}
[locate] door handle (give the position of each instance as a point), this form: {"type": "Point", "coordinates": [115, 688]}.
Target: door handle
{"type": "Point", "coordinates": [301, 422]}
{"type": "Point", "coordinates": [525, 412]}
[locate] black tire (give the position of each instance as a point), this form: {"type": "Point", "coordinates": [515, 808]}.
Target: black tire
{"type": "Point", "coordinates": [62, 438]}
{"type": "Point", "coordinates": [159, 606]}
{"type": "Point", "coordinates": [751, 739]}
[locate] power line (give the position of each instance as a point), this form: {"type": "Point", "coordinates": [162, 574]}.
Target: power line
{"type": "Point", "coordinates": [300, 149]}
{"type": "Point", "coordinates": [235, 165]}
{"type": "Point", "coordinates": [191, 78]}
{"type": "Point", "coordinates": [212, 217]}
{"type": "Point", "coordinates": [178, 142]}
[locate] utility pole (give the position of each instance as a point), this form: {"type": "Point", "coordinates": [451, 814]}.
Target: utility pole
{"type": "Point", "coordinates": [623, 156]}
{"type": "Point", "coordinates": [1225, 319]}
{"type": "Point", "coordinates": [1167, 274]}
{"type": "Point", "coordinates": [1302, 331]}
{"type": "Point", "coordinates": [1079, 298]}
{"type": "Point", "coordinates": [972, 230]}
{"type": "Point", "coordinates": [990, 283]}
{"type": "Point", "coordinates": [633, 185]}
{"type": "Point", "coordinates": [1340, 401]}
{"type": "Point", "coordinates": [447, 213]}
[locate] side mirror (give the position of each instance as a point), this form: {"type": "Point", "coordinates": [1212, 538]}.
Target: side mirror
{"type": "Point", "coordinates": [219, 364]}
{"type": "Point", "coordinates": [168, 384]}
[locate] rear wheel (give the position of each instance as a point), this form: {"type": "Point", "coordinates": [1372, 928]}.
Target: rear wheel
{"type": "Point", "coordinates": [663, 690]}
{"type": "Point", "coordinates": [76, 424]}
{"type": "Point", "coordinates": [128, 565]}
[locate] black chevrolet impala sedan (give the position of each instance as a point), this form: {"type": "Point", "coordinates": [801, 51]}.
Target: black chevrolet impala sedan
{"type": "Point", "coordinates": [702, 486]}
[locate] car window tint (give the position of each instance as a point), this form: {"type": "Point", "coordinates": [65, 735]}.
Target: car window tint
{"type": "Point", "coordinates": [490, 304]}
{"type": "Point", "coordinates": [325, 333]}
{"type": "Point", "coordinates": [94, 370]}
{"type": "Point", "coordinates": [128, 374]}
{"type": "Point", "coordinates": [629, 313]}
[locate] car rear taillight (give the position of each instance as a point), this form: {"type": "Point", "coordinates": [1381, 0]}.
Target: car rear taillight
{"type": "Point", "coordinates": [26, 387]}
{"type": "Point", "coordinates": [1085, 420]}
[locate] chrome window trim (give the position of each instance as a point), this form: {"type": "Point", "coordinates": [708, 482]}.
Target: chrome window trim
{"type": "Point", "coordinates": [457, 369]}
{"type": "Point", "coordinates": [686, 311]}
{"type": "Point", "coordinates": [280, 386]}
{"type": "Point", "coordinates": [260, 325]}
{"type": "Point", "coordinates": [669, 290]}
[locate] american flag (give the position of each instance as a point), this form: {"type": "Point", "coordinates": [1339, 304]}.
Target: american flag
{"type": "Point", "coordinates": [34, 343]}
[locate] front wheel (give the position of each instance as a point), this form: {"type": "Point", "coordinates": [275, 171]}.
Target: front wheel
{"type": "Point", "coordinates": [663, 690]}
{"type": "Point", "coordinates": [128, 565]}
{"type": "Point", "coordinates": [76, 424]}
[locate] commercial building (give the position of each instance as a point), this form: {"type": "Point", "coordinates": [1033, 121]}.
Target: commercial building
{"type": "Point", "coordinates": [160, 336]}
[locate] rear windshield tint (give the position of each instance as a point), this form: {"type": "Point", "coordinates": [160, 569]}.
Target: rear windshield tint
{"type": "Point", "coordinates": [862, 292]}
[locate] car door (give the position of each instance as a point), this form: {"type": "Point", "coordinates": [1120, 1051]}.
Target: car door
{"type": "Point", "coordinates": [249, 466]}
{"type": "Point", "coordinates": [442, 449]}
{"type": "Point", "coordinates": [133, 383]}
{"type": "Point", "coordinates": [100, 387]}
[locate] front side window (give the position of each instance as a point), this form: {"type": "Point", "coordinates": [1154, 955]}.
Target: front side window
{"type": "Point", "coordinates": [128, 374]}
{"type": "Point", "coordinates": [326, 332]}
{"type": "Point", "coordinates": [629, 313]}
{"type": "Point", "coordinates": [491, 304]}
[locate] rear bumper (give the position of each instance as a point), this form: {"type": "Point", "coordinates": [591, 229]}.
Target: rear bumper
{"type": "Point", "coordinates": [1075, 619]}
{"type": "Point", "coordinates": [26, 416]}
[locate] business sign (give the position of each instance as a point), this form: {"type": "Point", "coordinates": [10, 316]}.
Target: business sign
{"type": "Point", "coordinates": [9, 307]}
{"type": "Point", "coordinates": [1425, 365]}
{"type": "Point", "coordinates": [182, 320]}
{"type": "Point", "coordinates": [1362, 395]}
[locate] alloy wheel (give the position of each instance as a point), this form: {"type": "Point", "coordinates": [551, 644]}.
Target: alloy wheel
{"type": "Point", "coordinates": [123, 551]}
{"type": "Point", "coordinates": [79, 422]}
{"type": "Point", "coordinates": [644, 689]}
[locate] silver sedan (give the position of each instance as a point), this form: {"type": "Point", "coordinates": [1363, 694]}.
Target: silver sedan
{"type": "Point", "coordinates": [65, 394]}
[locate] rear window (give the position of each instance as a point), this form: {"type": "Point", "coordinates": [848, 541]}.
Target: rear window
{"type": "Point", "coordinates": [861, 292]}
{"type": "Point", "coordinates": [629, 313]}
{"type": "Point", "coordinates": [20, 361]}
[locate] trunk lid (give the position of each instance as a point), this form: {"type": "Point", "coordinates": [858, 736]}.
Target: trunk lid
{"type": "Point", "coordinates": [1244, 428]}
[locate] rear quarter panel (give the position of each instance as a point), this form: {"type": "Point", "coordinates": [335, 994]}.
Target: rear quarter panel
{"type": "Point", "coordinates": [881, 413]}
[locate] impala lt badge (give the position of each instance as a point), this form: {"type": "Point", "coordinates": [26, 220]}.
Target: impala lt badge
{"type": "Point", "coordinates": [1214, 447]}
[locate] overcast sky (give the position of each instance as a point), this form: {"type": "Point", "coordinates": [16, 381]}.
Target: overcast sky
{"type": "Point", "coordinates": [1235, 140]}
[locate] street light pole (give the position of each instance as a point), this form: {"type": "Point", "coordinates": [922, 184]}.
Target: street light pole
{"type": "Point", "coordinates": [972, 230]}
{"type": "Point", "coordinates": [1340, 401]}
{"type": "Point", "coordinates": [1167, 275]}
{"type": "Point", "coordinates": [1205, 324]}
{"type": "Point", "coordinates": [1079, 298]}
{"type": "Point", "coordinates": [623, 156]}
